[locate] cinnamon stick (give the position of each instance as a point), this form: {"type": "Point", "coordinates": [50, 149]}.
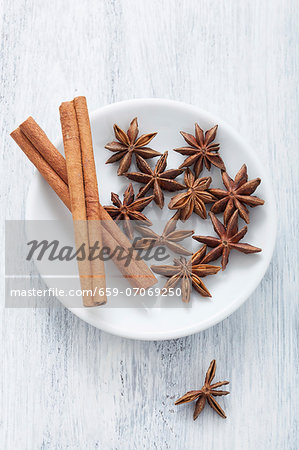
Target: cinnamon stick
{"type": "Point", "coordinates": [54, 180]}
{"type": "Point", "coordinates": [88, 164]}
{"type": "Point", "coordinates": [41, 141]}
{"type": "Point", "coordinates": [73, 156]}
{"type": "Point", "coordinates": [91, 192]}
{"type": "Point", "coordinates": [137, 272]}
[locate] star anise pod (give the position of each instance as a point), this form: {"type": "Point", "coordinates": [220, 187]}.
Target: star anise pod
{"type": "Point", "coordinates": [228, 240]}
{"type": "Point", "coordinates": [188, 272]}
{"type": "Point", "coordinates": [170, 238]}
{"type": "Point", "coordinates": [129, 210]}
{"type": "Point", "coordinates": [194, 198]}
{"type": "Point", "coordinates": [158, 179]}
{"type": "Point", "coordinates": [206, 393]}
{"type": "Point", "coordinates": [202, 150]}
{"type": "Point", "coordinates": [237, 195]}
{"type": "Point", "coordinates": [128, 144]}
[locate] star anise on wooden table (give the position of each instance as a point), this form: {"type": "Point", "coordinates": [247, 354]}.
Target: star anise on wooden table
{"type": "Point", "coordinates": [228, 240]}
{"type": "Point", "coordinates": [158, 179]}
{"type": "Point", "coordinates": [170, 238]}
{"type": "Point", "coordinates": [237, 195]}
{"type": "Point", "coordinates": [202, 150]}
{"type": "Point", "coordinates": [188, 273]}
{"type": "Point", "coordinates": [206, 393]}
{"type": "Point", "coordinates": [129, 210]}
{"type": "Point", "coordinates": [127, 144]}
{"type": "Point", "coordinates": [195, 198]}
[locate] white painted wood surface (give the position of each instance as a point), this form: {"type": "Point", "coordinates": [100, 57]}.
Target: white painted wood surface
{"type": "Point", "coordinates": [66, 385]}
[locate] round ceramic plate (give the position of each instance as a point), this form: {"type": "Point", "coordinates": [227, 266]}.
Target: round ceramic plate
{"type": "Point", "coordinates": [168, 317]}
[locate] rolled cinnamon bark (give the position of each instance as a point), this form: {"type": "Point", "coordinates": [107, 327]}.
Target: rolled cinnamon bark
{"type": "Point", "coordinates": [91, 192]}
{"type": "Point", "coordinates": [72, 150]}
{"type": "Point", "coordinates": [41, 141]}
{"type": "Point", "coordinates": [51, 176]}
{"type": "Point", "coordinates": [137, 272]}
{"type": "Point", "coordinates": [88, 164]}
{"type": "Point", "coordinates": [75, 175]}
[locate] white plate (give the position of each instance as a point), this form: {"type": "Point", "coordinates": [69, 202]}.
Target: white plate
{"type": "Point", "coordinates": [229, 288]}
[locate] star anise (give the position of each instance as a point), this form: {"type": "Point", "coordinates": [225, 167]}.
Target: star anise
{"type": "Point", "coordinates": [201, 150]}
{"type": "Point", "coordinates": [228, 240]}
{"type": "Point", "coordinates": [129, 210]}
{"type": "Point", "coordinates": [237, 195]}
{"type": "Point", "coordinates": [194, 198]}
{"type": "Point", "coordinates": [170, 238]}
{"type": "Point", "coordinates": [206, 393]}
{"type": "Point", "coordinates": [129, 144]}
{"type": "Point", "coordinates": [158, 179]}
{"type": "Point", "coordinates": [189, 273]}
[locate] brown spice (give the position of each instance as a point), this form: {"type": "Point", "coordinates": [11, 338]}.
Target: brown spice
{"type": "Point", "coordinates": [157, 179]}
{"type": "Point", "coordinates": [188, 272]}
{"type": "Point", "coordinates": [129, 144]}
{"type": "Point", "coordinates": [79, 153]}
{"type": "Point", "coordinates": [194, 199]}
{"type": "Point", "coordinates": [40, 140]}
{"type": "Point", "coordinates": [45, 169]}
{"type": "Point", "coordinates": [228, 240]}
{"type": "Point", "coordinates": [202, 150]}
{"type": "Point", "coordinates": [170, 238]}
{"type": "Point", "coordinates": [206, 393]}
{"type": "Point", "coordinates": [129, 210]}
{"type": "Point", "coordinates": [91, 192]}
{"type": "Point", "coordinates": [237, 195]}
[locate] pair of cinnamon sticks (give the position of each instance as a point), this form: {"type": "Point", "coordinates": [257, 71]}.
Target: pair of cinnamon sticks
{"type": "Point", "coordinates": [84, 195]}
{"type": "Point", "coordinates": [74, 181]}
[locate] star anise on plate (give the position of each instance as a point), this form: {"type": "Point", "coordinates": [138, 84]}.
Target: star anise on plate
{"type": "Point", "coordinates": [206, 393]}
{"type": "Point", "coordinates": [237, 195]}
{"type": "Point", "coordinates": [158, 179]}
{"type": "Point", "coordinates": [170, 238]}
{"type": "Point", "coordinates": [202, 150]}
{"type": "Point", "coordinates": [129, 210]}
{"type": "Point", "coordinates": [228, 240]}
{"type": "Point", "coordinates": [188, 273]}
{"type": "Point", "coordinates": [195, 198]}
{"type": "Point", "coordinates": [127, 144]}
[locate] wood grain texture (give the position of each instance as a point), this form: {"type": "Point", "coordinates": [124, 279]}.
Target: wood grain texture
{"type": "Point", "coordinates": [65, 384]}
